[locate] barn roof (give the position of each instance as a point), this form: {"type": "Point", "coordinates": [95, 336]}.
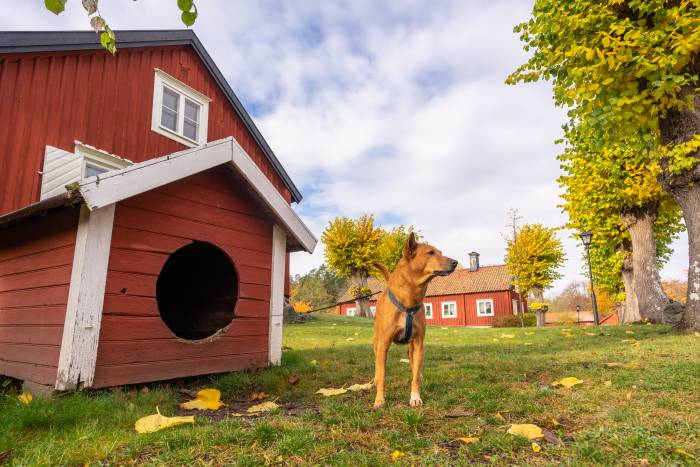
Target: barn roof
{"type": "Point", "coordinates": [47, 41]}
{"type": "Point", "coordinates": [462, 281]}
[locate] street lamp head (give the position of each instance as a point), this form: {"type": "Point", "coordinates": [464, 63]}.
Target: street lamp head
{"type": "Point", "coordinates": [578, 308]}
{"type": "Point", "coordinates": [586, 238]}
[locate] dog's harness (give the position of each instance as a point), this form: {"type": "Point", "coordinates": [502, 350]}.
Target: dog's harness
{"type": "Point", "coordinates": [408, 330]}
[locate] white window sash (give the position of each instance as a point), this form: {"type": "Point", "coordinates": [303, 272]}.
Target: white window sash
{"type": "Point", "coordinates": [428, 310]}
{"type": "Point", "coordinates": [488, 304]}
{"type": "Point", "coordinates": [451, 309]}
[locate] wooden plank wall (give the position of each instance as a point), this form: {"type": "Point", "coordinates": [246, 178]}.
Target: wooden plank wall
{"type": "Point", "coordinates": [101, 100]}
{"type": "Point", "coordinates": [135, 344]}
{"type": "Point", "coordinates": [35, 269]}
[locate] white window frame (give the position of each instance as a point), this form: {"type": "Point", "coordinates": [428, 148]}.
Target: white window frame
{"type": "Point", "coordinates": [428, 307]}
{"type": "Point", "coordinates": [98, 158]}
{"type": "Point", "coordinates": [515, 306]}
{"type": "Point", "coordinates": [350, 311]}
{"type": "Point", "coordinates": [163, 79]}
{"type": "Point", "coordinates": [484, 300]}
{"type": "Point", "coordinates": [442, 309]}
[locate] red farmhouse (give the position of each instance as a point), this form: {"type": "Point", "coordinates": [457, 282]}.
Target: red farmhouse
{"type": "Point", "coordinates": [145, 223]}
{"type": "Point", "coordinates": [467, 297]}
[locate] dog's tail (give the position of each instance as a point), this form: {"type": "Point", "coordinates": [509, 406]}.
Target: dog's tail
{"type": "Point", "coordinates": [383, 269]}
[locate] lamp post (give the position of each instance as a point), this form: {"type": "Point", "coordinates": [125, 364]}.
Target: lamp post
{"type": "Point", "coordinates": [578, 318]}
{"type": "Point", "coordinates": [586, 238]}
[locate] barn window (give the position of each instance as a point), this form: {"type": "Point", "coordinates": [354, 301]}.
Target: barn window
{"type": "Point", "coordinates": [449, 309]}
{"type": "Point", "coordinates": [428, 310]}
{"type": "Point", "coordinates": [197, 291]}
{"type": "Point", "coordinates": [484, 307]}
{"type": "Point", "coordinates": [350, 311]}
{"type": "Point", "coordinates": [179, 111]}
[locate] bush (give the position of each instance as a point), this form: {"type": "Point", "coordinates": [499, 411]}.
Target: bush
{"type": "Point", "coordinates": [513, 321]}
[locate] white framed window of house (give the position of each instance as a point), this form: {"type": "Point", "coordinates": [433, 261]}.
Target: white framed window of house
{"type": "Point", "coordinates": [373, 310]}
{"type": "Point", "coordinates": [449, 309]}
{"type": "Point", "coordinates": [95, 161]}
{"type": "Point", "coordinates": [428, 307]}
{"type": "Point", "coordinates": [180, 112]}
{"type": "Point", "coordinates": [350, 312]}
{"type": "Point", "coordinates": [484, 307]}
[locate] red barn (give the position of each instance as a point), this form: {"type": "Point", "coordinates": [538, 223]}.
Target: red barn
{"type": "Point", "coordinates": [145, 223]}
{"type": "Point", "coordinates": [468, 297]}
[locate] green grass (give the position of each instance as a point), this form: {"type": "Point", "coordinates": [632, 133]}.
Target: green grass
{"type": "Point", "coordinates": [645, 413]}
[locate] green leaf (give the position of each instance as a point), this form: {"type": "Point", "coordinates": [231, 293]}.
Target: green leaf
{"type": "Point", "coordinates": [90, 6]}
{"type": "Point", "coordinates": [185, 5]}
{"type": "Point", "coordinates": [107, 40]}
{"type": "Point", "coordinates": [189, 17]}
{"type": "Point", "coordinates": [55, 6]}
{"type": "Point", "coordinates": [97, 23]}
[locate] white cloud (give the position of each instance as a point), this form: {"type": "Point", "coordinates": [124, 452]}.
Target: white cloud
{"type": "Point", "coordinates": [396, 108]}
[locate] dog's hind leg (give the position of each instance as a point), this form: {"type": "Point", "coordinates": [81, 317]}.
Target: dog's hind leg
{"type": "Point", "coordinates": [416, 358]}
{"type": "Point", "coordinates": [381, 350]}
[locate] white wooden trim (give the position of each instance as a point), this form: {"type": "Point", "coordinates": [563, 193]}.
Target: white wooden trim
{"type": "Point", "coordinates": [425, 308]}
{"type": "Point", "coordinates": [114, 186]}
{"type": "Point", "coordinates": [442, 309]}
{"type": "Point", "coordinates": [98, 157]}
{"type": "Point", "coordinates": [279, 252]}
{"type": "Point", "coordinates": [81, 329]}
{"type": "Point", "coordinates": [163, 79]}
{"type": "Point", "coordinates": [484, 300]}
{"type": "Point", "coordinates": [60, 169]}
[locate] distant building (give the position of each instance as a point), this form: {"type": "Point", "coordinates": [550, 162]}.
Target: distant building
{"type": "Point", "coordinates": [468, 297]}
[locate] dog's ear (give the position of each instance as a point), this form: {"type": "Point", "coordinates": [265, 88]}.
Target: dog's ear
{"type": "Point", "coordinates": [409, 249]}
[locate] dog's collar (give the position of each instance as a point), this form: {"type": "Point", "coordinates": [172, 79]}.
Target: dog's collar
{"type": "Point", "coordinates": [400, 305]}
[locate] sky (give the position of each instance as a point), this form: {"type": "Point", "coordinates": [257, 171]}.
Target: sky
{"type": "Point", "coordinates": [396, 108]}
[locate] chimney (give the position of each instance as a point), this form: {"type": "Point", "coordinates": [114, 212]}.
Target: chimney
{"type": "Point", "coordinates": [473, 261]}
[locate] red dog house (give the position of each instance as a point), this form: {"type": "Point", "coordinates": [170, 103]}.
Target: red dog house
{"type": "Point", "coordinates": [117, 266]}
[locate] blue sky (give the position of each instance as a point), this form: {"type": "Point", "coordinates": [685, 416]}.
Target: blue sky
{"type": "Point", "coordinates": [394, 108]}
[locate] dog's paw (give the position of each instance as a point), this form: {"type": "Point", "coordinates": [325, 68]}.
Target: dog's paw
{"type": "Point", "coordinates": [378, 404]}
{"type": "Point", "coordinates": [416, 401]}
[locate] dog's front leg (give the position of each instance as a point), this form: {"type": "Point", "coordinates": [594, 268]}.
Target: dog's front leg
{"type": "Point", "coordinates": [381, 350]}
{"type": "Point", "coordinates": [416, 352]}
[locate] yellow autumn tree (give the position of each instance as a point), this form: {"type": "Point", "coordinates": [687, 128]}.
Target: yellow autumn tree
{"type": "Point", "coordinates": [533, 256]}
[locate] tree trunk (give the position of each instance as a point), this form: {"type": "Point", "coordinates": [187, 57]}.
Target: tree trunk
{"type": "Point", "coordinates": [651, 298]}
{"type": "Point", "coordinates": [680, 126]}
{"type": "Point", "coordinates": [629, 311]}
{"type": "Point", "coordinates": [359, 279]}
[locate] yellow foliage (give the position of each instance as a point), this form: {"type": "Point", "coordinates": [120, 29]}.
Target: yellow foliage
{"type": "Point", "coordinates": [468, 440]}
{"type": "Point", "coordinates": [536, 447]}
{"type": "Point", "coordinates": [207, 399]}
{"type": "Point", "coordinates": [396, 455]}
{"type": "Point", "coordinates": [331, 391]}
{"type": "Point", "coordinates": [25, 398]}
{"type": "Point", "coordinates": [264, 407]}
{"type": "Point", "coordinates": [157, 422]}
{"type": "Point", "coordinates": [361, 387]}
{"type": "Point", "coordinates": [301, 307]}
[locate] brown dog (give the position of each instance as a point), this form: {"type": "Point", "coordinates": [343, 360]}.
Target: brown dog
{"type": "Point", "coordinates": [403, 294]}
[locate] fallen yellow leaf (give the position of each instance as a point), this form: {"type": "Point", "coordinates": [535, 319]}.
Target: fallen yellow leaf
{"type": "Point", "coordinates": [499, 416]}
{"type": "Point", "coordinates": [527, 343]}
{"type": "Point", "coordinates": [632, 342]}
{"type": "Point", "coordinates": [536, 447]}
{"type": "Point", "coordinates": [629, 332]}
{"type": "Point", "coordinates": [404, 360]}
{"type": "Point", "coordinates": [157, 422]}
{"type": "Point", "coordinates": [529, 333]}
{"type": "Point", "coordinates": [567, 382]}
{"type": "Point", "coordinates": [264, 407]}
{"type": "Point", "coordinates": [634, 365]}
{"type": "Point", "coordinates": [350, 339]}
{"type": "Point", "coordinates": [313, 362]}
{"type": "Point", "coordinates": [356, 334]}
{"type": "Point", "coordinates": [590, 333]}
{"type": "Point", "coordinates": [25, 398]}
{"type": "Point", "coordinates": [396, 455]}
{"type": "Point", "coordinates": [495, 340]}
{"type": "Point", "coordinates": [507, 336]}
{"type": "Point", "coordinates": [555, 422]}
{"type": "Point", "coordinates": [685, 453]}
{"type": "Point", "coordinates": [207, 399]}
{"type": "Point", "coordinates": [527, 430]}
{"type": "Point", "coordinates": [468, 440]}
{"type": "Point", "coordinates": [608, 383]}
{"type": "Point", "coordinates": [628, 396]}
{"type": "Point", "coordinates": [331, 391]}
{"type": "Point", "coordinates": [361, 387]}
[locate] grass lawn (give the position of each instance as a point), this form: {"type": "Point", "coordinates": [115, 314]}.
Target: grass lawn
{"type": "Point", "coordinates": [483, 380]}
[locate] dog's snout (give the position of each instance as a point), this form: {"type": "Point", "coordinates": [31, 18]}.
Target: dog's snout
{"type": "Point", "coordinates": [453, 264]}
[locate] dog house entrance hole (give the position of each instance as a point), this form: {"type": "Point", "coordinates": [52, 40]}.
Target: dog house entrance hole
{"type": "Point", "coordinates": [197, 291]}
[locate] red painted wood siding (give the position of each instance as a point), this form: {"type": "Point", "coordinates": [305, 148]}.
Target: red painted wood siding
{"type": "Point", "coordinates": [59, 97]}
{"type": "Point", "coordinates": [466, 308]}
{"type": "Point", "coordinates": [135, 344]}
{"type": "Point", "coordinates": [35, 269]}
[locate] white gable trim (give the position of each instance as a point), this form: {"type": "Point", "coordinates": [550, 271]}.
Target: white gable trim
{"type": "Point", "coordinates": [117, 185]}
{"type": "Point", "coordinates": [81, 328]}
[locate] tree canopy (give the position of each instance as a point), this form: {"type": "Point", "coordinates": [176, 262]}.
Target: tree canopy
{"type": "Point", "coordinates": [533, 256]}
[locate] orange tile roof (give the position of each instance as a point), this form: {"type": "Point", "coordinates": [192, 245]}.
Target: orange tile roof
{"type": "Point", "coordinates": [462, 281]}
